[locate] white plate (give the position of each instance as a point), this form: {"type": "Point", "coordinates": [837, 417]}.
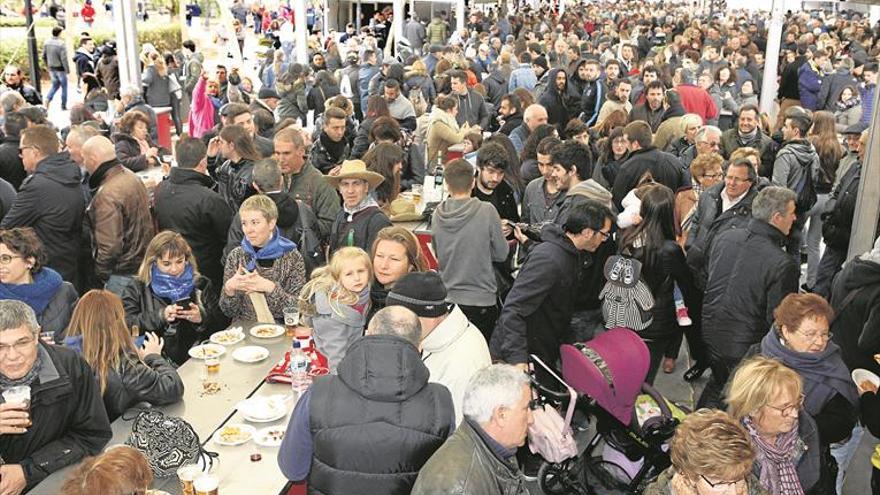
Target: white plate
{"type": "Point", "coordinates": [266, 331]}
{"type": "Point", "coordinates": [230, 336]}
{"type": "Point", "coordinates": [264, 409]}
{"type": "Point", "coordinates": [247, 433]}
{"type": "Point", "coordinates": [859, 375]}
{"type": "Point", "coordinates": [198, 352]}
{"type": "Point", "coordinates": [250, 354]}
{"type": "Point", "coordinates": [264, 437]}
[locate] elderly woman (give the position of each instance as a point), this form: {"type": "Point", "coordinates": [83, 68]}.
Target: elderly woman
{"type": "Point", "coordinates": [126, 374]}
{"type": "Point", "coordinates": [688, 126]}
{"type": "Point", "coordinates": [134, 147]}
{"type": "Point", "coordinates": [395, 252]}
{"type": "Point", "coordinates": [766, 397]}
{"type": "Point", "coordinates": [265, 263]}
{"type": "Point", "coordinates": [444, 131]}
{"type": "Point", "coordinates": [24, 278]}
{"type": "Point", "coordinates": [711, 453]}
{"type": "Point", "coordinates": [705, 173]}
{"type": "Point", "coordinates": [169, 297]}
{"type": "Point", "coordinates": [360, 218]}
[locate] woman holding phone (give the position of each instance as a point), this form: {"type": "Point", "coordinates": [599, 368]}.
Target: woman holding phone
{"type": "Point", "coordinates": [169, 296]}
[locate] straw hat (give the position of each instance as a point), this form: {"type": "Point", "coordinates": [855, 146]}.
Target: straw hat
{"type": "Point", "coordinates": [355, 169]}
{"type": "Point", "coordinates": [403, 210]}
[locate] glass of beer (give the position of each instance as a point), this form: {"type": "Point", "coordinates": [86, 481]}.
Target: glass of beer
{"type": "Point", "coordinates": [211, 371]}
{"type": "Point", "coordinates": [19, 395]}
{"type": "Point", "coordinates": [207, 484]}
{"type": "Point", "coordinates": [187, 474]}
{"type": "Point", "coordinates": [291, 320]}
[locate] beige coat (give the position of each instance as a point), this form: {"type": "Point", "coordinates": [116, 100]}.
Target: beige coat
{"type": "Point", "coordinates": [443, 132]}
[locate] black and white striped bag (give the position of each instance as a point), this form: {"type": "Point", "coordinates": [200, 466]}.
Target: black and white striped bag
{"type": "Point", "coordinates": [626, 299]}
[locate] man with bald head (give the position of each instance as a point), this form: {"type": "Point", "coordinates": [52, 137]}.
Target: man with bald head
{"type": "Point", "coordinates": [50, 199]}
{"type": "Point", "coordinates": [534, 116]}
{"type": "Point", "coordinates": [118, 215]}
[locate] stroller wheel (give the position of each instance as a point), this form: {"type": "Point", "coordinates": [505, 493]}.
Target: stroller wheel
{"type": "Point", "coordinates": [562, 478]}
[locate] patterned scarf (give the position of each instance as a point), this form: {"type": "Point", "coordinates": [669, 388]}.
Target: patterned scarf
{"type": "Point", "coordinates": [31, 375]}
{"type": "Point", "coordinates": [778, 473]}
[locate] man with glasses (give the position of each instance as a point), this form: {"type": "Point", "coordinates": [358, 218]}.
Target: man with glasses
{"type": "Point", "coordinates": [749, 273]}
{"type": "Point", "coordinates": [536, 316]}
{"type": "Point", "coordinates": [707, 140]}
{"type": "Point", "coordinates": [65, 419]}
{"type": "Point", "coordinates": [51, 200]}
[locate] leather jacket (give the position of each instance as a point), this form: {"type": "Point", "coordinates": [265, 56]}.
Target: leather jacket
{"type": "Point", "coordinates": [119, 217]}
{"type": "Point", "coordinates": [152, 380]}
{"type": "Point", "coordinates": [465, 465]}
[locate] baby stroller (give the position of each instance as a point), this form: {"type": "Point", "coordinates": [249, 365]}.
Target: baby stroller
{"type": "Point", "coordinates": [633, 421]}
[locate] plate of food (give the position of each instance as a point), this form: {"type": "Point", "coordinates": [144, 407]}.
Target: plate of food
{"type": "Point", "coordinates": [205, 351]}
{"type": "Point", "coordinates": [263, 409]}
{"type": "Point", "coordinates": [250, 354]}
{"type": "Point", "coordinates": [270, 437]}
{"type": "Point", "coordinates": [230, 336]}
{"type": "Point", "coordinates": [860, 375]}
{"type": "Point", "coordinates": [234, 434]}
{"type": "Point", "coordinates": [266, 331]}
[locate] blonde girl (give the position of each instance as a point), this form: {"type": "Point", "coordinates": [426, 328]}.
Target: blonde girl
{"type": "Point", "coordinates": [337, 301]}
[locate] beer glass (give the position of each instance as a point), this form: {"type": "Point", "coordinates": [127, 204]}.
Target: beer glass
{"type": "Point", "coordinates": [207, 484]}
{"type": "Point", "coordinates": [187, 474]}
{"type": "Point", "coordinates": [20, 395]}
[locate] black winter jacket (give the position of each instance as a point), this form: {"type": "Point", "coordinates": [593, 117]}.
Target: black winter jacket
{"type": "Point", "coordinates": [235, 182]}
{"type": "Point", "coordinates": [145, 310]}
{"type": "Point", "coordinates": [56, 316]}
{"type": "Point", "coordinates": [840, 209]}
{"type": "Point", "coordinates": [187, 203]}
{"type": "Point", "coordinates": [749, 274]}
{"type": "Point", "coordinates": [362, 226]}
{"type": "Point", "coordinates": [69, 420]}
{"type": "Point", "coordinates": [51, 201]}
{"type": "Point", "coordinates": [536, 315]}
{"type": "Point", "coordinates": [128, 150]}
{"type": "Point", "coordinates": [378, 415]}
{"type": "Point", "coordinates": [856, 326]}
{"type": "Point", "coordinates": [664, 167]}
{"type": "Point", "coordinates": [11, 167]}
{"type": "Point", "coordinates": [152, 380]}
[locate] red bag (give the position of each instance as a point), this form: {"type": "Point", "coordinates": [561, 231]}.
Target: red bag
{"type": "Point", "coordinates": [280, 373]}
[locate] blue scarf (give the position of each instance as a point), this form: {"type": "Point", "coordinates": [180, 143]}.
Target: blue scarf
{"type": "Point", "coordinates": [824, 373]}
{"type": "Point", "coordinates": [170, 287]}
{"type": "Point", "coordinates": [36, 295]}
{"type": "Point", "coordinates": [276, 247]}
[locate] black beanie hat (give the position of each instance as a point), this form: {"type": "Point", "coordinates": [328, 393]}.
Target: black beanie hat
{"type": "Point", "coordinates": [423, 293]}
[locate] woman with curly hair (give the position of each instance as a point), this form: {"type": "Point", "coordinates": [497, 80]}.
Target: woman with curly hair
{"type": "Point", "coordinates": [134, 147]}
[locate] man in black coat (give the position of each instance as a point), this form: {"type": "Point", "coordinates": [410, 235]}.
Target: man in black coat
{"type": "Point", "coordinates": [11, 168]}
{"type": "Point", "coordinates": [187, 203]}
{"type": "Point", "coordinates": [537, 313]}
{"type": "Point", "coordinates": [66, 409]}
{"type": "Point", "coordinates": [645, 162]}
{"type": "Point", "coordinates": [749, 274]}
{"type": "Point", "coordinates": [510, 112]}
{"type": "Point", "coordinates": [51, 200]}
{"type": "Point", "coordinates": [856, 303]}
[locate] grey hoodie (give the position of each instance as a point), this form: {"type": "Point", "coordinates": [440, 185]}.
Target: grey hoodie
{"type": "Point", "coordinates": [468, 231]}
{"type": "Point", "coordinates": [791, 163]}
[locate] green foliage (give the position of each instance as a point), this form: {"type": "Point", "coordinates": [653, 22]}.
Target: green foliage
{"type": "Point", "coordinates": [20, 22]}
{"type": "Point", "coordinates": [13, 49]}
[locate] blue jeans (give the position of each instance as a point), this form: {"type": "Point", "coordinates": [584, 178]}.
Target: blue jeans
{"type": "Point", "coordinates": [814, 237]}
{"type": "Point", "coordinates": [118, 283]}
{"type": "Point", "coordinates": [59, 80]}
{"type": "Point", "coordinates": [830, 264]}
{"type": "Point", "coordinates": [843, 453]}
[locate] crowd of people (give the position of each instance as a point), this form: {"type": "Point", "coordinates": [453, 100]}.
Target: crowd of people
{"type": "Point", "coordinates": [608, 167]}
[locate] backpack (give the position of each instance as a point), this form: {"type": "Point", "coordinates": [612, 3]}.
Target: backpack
{"type": "Point", "coordinates": [806, 191]}
{"type": "Point", "coordinates": [309, 243]}
{"type": "Point", "coordinates": [168, 442]}
{"type": "Point", "coordinates": [626, 299]}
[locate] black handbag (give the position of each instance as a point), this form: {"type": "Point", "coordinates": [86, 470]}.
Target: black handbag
{"type": "Point", "coordinates": [168, 442]}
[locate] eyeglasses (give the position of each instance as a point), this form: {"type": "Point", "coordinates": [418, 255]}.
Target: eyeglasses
{"type": "Point", "coordinates": [20, 347]}
{"type": "Point", "coordinates": [6, 259]}
{"type": "Point", "coordinates": [737, 180]}
{"type": "Point", "coordinates": [712, 176]}
{"type": "Point", "coordinates": [721, 484]}
{"type": "Point", "coordinates": [789, 410]}
{"type": "Point", "coordinates": [813, 336]}
{"type": "Point", "coordinates": [605, 235]}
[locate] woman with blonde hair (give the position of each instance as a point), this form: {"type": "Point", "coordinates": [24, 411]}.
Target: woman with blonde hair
{"type": "Point", "coordinates": [418, 78]}
{"type": "Point", "coordinates": [396, 252]}
{"type": "Point", "coordinates": [336, 302]}
{"type": "Point", "coordinates": [265, 263]}
{"type": "Point", "coordinates": [687, 134]}
{"type": "Point", "coordinates": [710, 453]}
{"type": "Point", "coordinates": [767, 398]}
{"type": "Point", "coordinates": [705, 172]}
{"type": "Point", "coordinates": [169, 297]}
{"type": "Point", "coordinates": [126, 375]}
{"type": "Point", "coordinates": [120, 470]}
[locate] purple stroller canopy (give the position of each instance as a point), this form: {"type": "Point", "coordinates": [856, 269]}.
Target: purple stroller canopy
{"type": "Point", "coordinates": [610, 368]}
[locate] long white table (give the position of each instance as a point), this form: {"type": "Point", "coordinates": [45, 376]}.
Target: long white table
{"type": "Point", "coordinates": [208, 413]}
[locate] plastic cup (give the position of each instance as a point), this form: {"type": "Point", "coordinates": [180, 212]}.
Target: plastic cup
{"type": "Point", "coordinates": [19, 395]}
{"type": "Point", "coordinates": [187, 475]}
{"type": "Point", "coordinates": [207, 485]}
